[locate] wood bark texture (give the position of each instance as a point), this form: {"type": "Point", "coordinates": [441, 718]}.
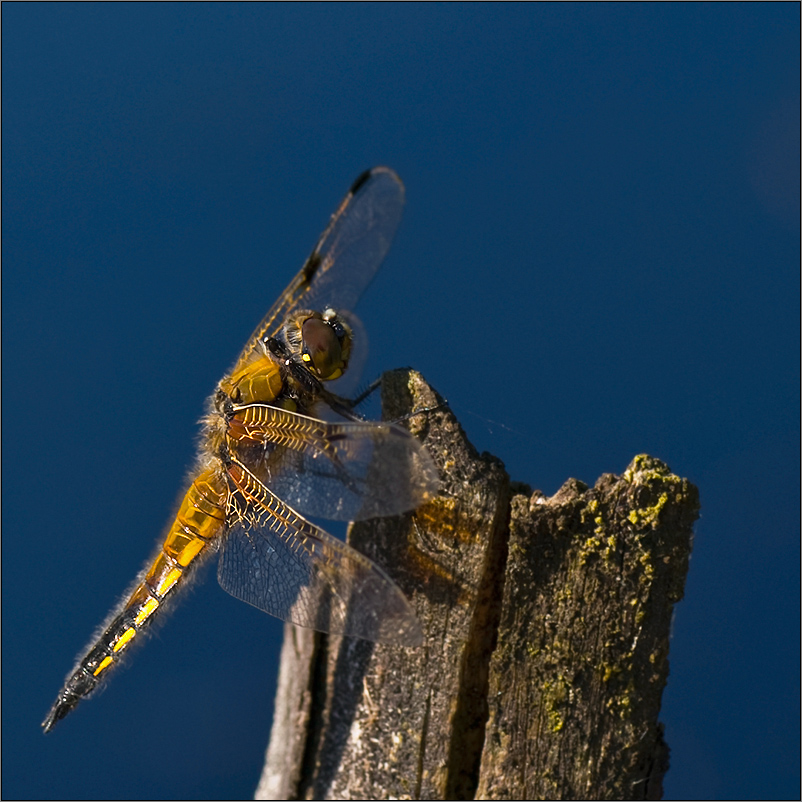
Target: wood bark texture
{"type": "Point", "coordinates": [546, 631]}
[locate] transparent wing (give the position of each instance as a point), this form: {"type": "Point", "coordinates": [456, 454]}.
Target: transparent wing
{"type": "Point", "coordinates": [346, 471]}
{"type": "Point", "coordinates": [283, 564]}
{"type": "Point", "coordinates": [347, 255]}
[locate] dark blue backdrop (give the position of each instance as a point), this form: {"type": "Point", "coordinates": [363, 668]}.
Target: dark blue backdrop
{"type": "Point", "coordinates": [600, 257]}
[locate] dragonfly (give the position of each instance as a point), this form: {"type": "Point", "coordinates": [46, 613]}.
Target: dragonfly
{"type": "Point", "coordinates": [278, 444]}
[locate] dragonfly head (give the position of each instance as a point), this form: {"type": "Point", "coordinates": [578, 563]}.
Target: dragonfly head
{"type": "Point", "coordinates": [323, 342]}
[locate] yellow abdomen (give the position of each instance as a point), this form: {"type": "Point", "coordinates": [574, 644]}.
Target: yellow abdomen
{"type": "Point", "coordinates": [200, 519]}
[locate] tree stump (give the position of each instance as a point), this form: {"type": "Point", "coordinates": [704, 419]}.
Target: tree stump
{"type": "Point", "coordinates": [546, 629]}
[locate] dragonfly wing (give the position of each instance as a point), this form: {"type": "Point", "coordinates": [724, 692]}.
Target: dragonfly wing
{"type": "Point", "coordinates": [283, 564]}
{"type": "Point", "coordinates": [369, 471]}
{"type": "Point", "coordinates": [346, 471]}
{"type": "Point", "coordinates": [347, 255]}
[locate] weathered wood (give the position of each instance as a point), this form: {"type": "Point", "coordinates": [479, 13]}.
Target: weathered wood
{"type": "Point", "coordinates": [546, 625]}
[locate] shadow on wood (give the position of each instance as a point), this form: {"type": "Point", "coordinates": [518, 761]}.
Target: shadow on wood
{"type": "Point", "coordinates": [546, 624]}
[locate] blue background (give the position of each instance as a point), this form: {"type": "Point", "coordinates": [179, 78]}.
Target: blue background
{"type": "Point", "coordinates": [599, 257]}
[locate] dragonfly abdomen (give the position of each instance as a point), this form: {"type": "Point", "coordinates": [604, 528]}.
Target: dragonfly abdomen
{"type": "Point", "coordinates": [200, 519]}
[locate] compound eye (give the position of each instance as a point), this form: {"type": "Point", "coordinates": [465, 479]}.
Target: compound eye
{"type": "Point", "coordinates": [322, 348]}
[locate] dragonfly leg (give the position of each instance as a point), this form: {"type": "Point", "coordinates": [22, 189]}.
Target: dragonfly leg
{"type": "Point", "coordinates": [371, 388]}
{"type": "Point", "coordinates": [376, 383]}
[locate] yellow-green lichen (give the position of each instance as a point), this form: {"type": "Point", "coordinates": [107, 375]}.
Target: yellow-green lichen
{"type": "Point", "coordinates": [643, 467]}
{"type": "Point", "coordinates": [649, 515]}
{"type": "Point", "coordinates": [645, 560]}
{"type": "Point", "coordinates": [600, 543]}
{"type": "Point", "coordinates": [591, 508]}
{"type": "Point", "coordinates": [555, 721]}
{"type": "Point", "coordinates": [622, 703]}
{"type": "Point", "coordinates": [608, 671]}
{"type": "Point", "coordinates": [516, 549]}
{"type": "Point", "coordinates": [556, 695]}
